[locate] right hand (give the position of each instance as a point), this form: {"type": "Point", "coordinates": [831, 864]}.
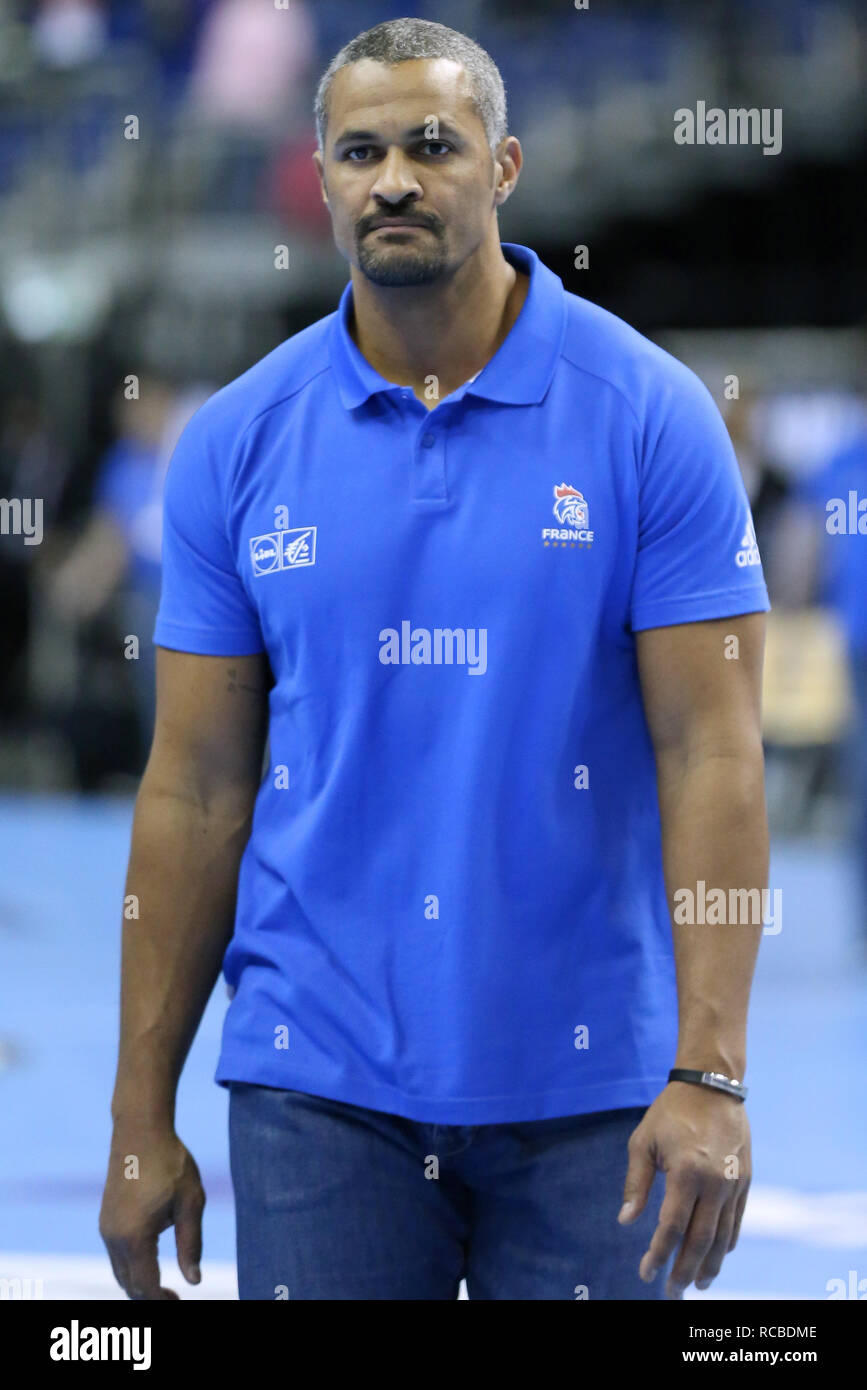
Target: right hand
{"type": "Point", "coordinates": [168, 1191]}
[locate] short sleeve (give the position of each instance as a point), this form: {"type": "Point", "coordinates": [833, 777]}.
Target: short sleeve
{"type": "Point", "coordinates": [204, 607]}
{"type": "Point", "coordinates": [697, 555]}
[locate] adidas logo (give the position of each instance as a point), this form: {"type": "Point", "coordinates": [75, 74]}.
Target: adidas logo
{"type": "Point", "coordinates": [749, 550]}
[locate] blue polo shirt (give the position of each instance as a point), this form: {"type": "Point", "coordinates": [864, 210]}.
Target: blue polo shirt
{"type": "Point", "coordinates": [451, 906]}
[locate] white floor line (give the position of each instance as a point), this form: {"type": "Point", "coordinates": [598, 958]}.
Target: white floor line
{"type": "Point", "coordinates": [825, 1219]}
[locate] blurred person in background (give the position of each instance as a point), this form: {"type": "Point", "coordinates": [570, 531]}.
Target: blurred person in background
{"type": "Point", "coordinates": [32, 465]}
{"type": "Point", "coordinates": [829, 535]}
{"type": "Point", "coordinates": [767, 487]}
{"type": "Point", "coordinates": [117, 556]}
{"type": "Point", "coordinates": [246, 91]}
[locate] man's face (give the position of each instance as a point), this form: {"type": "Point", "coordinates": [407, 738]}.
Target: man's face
{"type": "Point", "coordinates": [381, 170]}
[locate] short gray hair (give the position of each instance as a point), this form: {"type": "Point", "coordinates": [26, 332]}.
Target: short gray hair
{"type": "Point", "coordinates": [398, 41]}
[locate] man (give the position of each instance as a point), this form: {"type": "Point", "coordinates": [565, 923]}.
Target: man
{"type": "Point", "coordinates": [481, 539]}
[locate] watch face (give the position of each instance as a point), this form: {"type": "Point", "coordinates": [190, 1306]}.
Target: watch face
{"type": "Point", "coordinates": [724, 1083]}
{"type": "Point", "coordinates": [715, 1079]}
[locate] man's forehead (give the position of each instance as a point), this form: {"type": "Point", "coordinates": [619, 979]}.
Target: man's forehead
{"type": "Point", "coordinates": [369, 91]}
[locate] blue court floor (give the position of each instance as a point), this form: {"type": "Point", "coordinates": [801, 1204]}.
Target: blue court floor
{"type": "Point", "coordinates": [62, 868]}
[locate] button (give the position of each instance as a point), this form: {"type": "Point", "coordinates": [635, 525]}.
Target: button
{"type": "Point", "coordinates": [427, 440]}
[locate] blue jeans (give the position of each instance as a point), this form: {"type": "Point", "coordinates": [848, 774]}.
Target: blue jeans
{"type": "Point", "coordinates": [334, 1201]}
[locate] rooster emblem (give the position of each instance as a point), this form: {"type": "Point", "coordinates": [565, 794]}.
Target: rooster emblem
{"type": "Point", "coordinates": [570, 508]}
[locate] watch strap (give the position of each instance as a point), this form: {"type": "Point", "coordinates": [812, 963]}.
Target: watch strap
{"type": "Point", "coordinates": [714, 1079]}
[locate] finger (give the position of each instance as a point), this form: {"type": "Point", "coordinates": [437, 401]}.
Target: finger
{"type": "Point", "coordinates": [697, 1243]}
{"type": "Point", "coordinates": [117, 1259]}
{"type": "Point", "coordinates": [188, 1230]}
{"type": "Point", "coordinates": [739, 1216]}
{"type": "Point", "coordinates": [681, 1194]}
{"type": "Point", "coordinates": [639, 1180]}
{"type": "Point", "coordinates": [119, 1252]}
{"type": "Point", "coordinates": [120, 1260]}
{"type": "Point", "coordinates": [712, 1262]}
{"type": "Point", "coordinates": [143, 1270]}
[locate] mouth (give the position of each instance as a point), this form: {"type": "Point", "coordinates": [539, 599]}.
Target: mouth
{"type": "Point", "coordinates": [398, 227]}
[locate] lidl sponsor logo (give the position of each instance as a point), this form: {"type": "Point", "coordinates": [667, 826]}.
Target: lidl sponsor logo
{"type": "Point", "coordinates": [283, 550]}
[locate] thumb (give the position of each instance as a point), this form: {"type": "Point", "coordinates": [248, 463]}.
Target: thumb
{"type": "Point", "coordinates": [636, 1189]}
{"type": "Point", "coordinates": [188, 1231]}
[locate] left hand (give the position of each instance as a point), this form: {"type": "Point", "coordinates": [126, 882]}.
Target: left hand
{"type": "Point", "coordinates": [700, 1138]}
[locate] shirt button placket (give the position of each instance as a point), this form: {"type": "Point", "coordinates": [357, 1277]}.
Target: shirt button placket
{"type": "Point", "coordinates": [429, 482]}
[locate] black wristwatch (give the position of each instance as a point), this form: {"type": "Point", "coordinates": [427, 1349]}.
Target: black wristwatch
{"type": "Point", "coordinates": [714, 1079]}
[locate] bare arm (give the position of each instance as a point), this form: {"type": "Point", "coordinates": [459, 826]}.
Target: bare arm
{"type": "Point", "coordinates": [703, 709]}
{"type": "Point", "coordinates": [192, 821]}
{"type": "Point", "coordinates": [702, 696]}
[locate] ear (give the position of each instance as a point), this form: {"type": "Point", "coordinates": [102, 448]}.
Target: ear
{"type": "Point", "coordinates": [320, 170]}
{"type": "Point", "coordinates": [508, 159]}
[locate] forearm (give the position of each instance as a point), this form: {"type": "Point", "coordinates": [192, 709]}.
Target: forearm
{"type": "Point", "coordinates": [182, 880]}
{"type": "Point", "coordinates": [714, 831]}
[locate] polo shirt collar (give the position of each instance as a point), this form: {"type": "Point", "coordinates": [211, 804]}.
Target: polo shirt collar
{"type": "Point", "coordinates": [519, 373]}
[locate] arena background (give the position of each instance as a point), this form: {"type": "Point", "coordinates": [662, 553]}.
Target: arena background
{"type": "Point", "coordinates": [154, 157]}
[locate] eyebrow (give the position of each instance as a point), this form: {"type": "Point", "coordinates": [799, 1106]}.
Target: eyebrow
{"type": "Point", "coordinates": [371, 136]}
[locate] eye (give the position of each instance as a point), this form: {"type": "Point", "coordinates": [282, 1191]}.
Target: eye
{"type": "Point", "coordinates": [435, 148]}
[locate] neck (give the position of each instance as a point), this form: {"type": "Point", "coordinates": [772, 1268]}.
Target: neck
{"type": "Point", "coordinates": [449, 329]}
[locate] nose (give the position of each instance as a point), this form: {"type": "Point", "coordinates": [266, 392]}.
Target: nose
{"type": "Point", "coordinates": [396, 179]}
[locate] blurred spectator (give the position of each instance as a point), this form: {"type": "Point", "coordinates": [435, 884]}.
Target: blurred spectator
{"type": "Point", "coordinates": [118, 554]}
{"type": "Point", "coordinates": [250, 63]}
{"type": "Point", "coordinates": [168, 29]}
{"type": "Point", "coordinates": [32, 465]}
{"type": "Point", "coordinates": [248, 91]}
{"type": "Point", "coordinates": [834, 494]}
{"type": "Point", "coordinates": [767, 488]}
